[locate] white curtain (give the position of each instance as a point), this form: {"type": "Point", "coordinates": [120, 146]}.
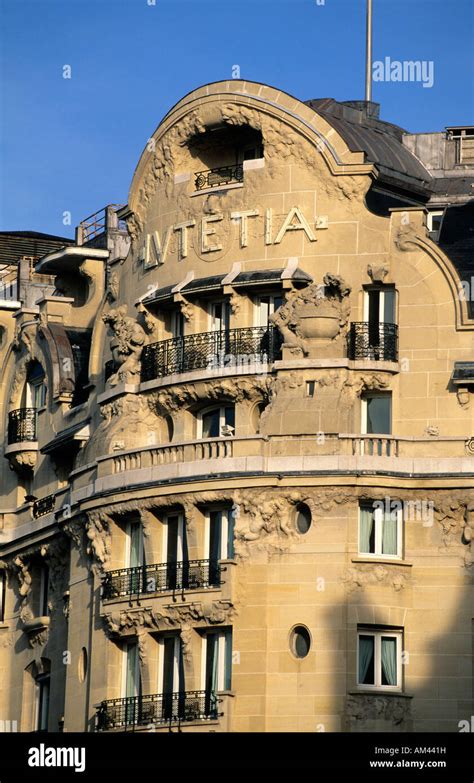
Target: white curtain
{"type": "Point", "coordinates": [389, 660]}
{"type": "Point", "coordinates": [389, 533]}
{"type": "Point", "coordinates": [366, 655]}
{"type": "Point", "coordinates": [366, 527]}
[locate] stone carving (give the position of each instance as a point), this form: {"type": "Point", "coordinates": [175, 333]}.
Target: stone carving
{"type": "Point", "coordinates": [25, 581]}
{"type": "Point", "coordinates": [127, 423]}
{"type": "Point", "coordinates": [377, 273]}
{"type": "Point", "coordinates": [262, 519]}
{"type": "Point", "coordinates": [37, 630]}
{"type": "Point", "coordinates": [406, 237]}
{"type": "Point", "coordinates": [432, 430]}
{"type": "Point", "coordinates": [235, 302]}
{"type": "Point", "coordinates": [172, 399]}
{"type": "Point", "coordinates": [149, 322]}
{"type": "Point", "coordinates": [23, 462]}
{"type": "Point", "coordinates": [160, 167]}
{"type": "Point", "coordinates": [363, 707]}
{"type": "Point", "coordinates": [363, 575]}
{"type": "Point", "coordinates": [314, 316]}
{"type": "Point", "coordinates": [187, 309]}
{"type": "Point", "coordinates": [113, 288]}
{"type": "Point", "coordinates": [99, 540]}
{"type": "Point", "coordinates": [19, 380]}
{"type": "Point", "coordinates": [138, 620]}
{"type": "Point", "coordinates": [126, 345]}
{"type": "Point", "coordinates": [470, 446]}
{"type": "Point", "coordinates": [463, 396]}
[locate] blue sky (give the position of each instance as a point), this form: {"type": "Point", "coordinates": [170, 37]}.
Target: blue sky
{"type": "Point", "coordinates": [72, 144]}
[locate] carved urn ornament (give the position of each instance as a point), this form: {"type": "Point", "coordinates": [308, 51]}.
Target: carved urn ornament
{"type": "Point", "coordinates": [313, 320]}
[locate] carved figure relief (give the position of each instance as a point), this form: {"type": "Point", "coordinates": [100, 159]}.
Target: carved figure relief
{"type": "Point", "coordinates": [126, 345]}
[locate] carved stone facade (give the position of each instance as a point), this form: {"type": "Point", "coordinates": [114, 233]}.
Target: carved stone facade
{"type": "Point", "coordinates": [250, 423]}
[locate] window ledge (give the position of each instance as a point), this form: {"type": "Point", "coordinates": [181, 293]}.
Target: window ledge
{"type": "Point", "coordinates": [375, 560]}
{"type": "Point", "coordinates": [380, 692]}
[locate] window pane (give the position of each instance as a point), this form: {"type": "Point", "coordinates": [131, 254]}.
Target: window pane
{"type": "Point", "coordinates": [389, 533]}
{"type": "Point", "coordinates": [366, 660]}
{"type": "Point", "coordinates": [210, 424]}
{"type": "Point", "coordinates": [230, 534]}
{"type": "Point", "coordinates": [301, 641]}
{"type": "Point", "coordinates": [367, 530]}
{"type": "Point", "coordinates": [215, 535]}
{"type": "Point", "coordinates": [389, 660]}
{"type": "Point", "coordinates": [228, 661]}
{"type": "Point", "coordinates": [230, 416]}
{"type": "Point", "coordinates": [389, 306]}
{"type": "Point", "coordinates": [379, 415]}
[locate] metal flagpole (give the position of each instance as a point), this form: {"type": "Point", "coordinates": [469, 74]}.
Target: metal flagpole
{"type": "Point", "coordinates": [368, 59]}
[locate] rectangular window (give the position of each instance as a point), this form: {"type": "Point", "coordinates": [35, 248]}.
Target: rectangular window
{"type": "Point", "coordinates": [176, 549]}
{"type": "Point", "coordinates": [380, 317]}
{"type": "Point", "coordinates": [43, 592]}
{"type": "Point", "coordinates": [380, 531]}
{"type": "Point", "coordinates": [42, 702]}
{"type": "Point", "coordinates": [379, 659]}
{"type": "Point", "coordinates": [217, 673]}
{"type": "Point", "coordinates": [217, 422]}
{"type": "Point", "coordinates": [377, 414]}
{"type": "Point", "coordinates": [171, 676]}
{"type": "Point", "coordinates": [265, 306]}
{"type": "Point", "coordinates": [135, 556]}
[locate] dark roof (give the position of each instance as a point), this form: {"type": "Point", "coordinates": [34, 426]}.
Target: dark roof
{"type": "Point", "coordinates": [453, 186]}
{"type": "Point", "coordinates": [202, 284]}
{"type": "Point", "coordinates": [15, 244]}
{"type": "Point", "coordinates": [381, 141]}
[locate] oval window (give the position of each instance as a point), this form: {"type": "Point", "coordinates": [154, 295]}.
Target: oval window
{"type": "Point", "coordinates": [300, 641]}
{"type": "Point", "coordinates": [82, 665]}
{"type": "Point", "coordinates": [303, 518]}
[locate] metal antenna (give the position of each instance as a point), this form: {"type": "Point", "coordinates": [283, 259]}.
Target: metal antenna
{"type": "Point", "coordinates": [368, 58]}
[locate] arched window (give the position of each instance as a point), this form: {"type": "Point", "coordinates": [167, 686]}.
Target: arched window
{"type": "Point", "coordinates": [216, 422]}
{"type": "Point", "coordinates": [35, 389]}
{"type": "Point", "coordinates": [35, 701]}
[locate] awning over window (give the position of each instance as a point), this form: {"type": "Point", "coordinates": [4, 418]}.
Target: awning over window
{"type": "Point", "coordinates": [64, 439]}
{"type": "Point", "coordinates": [463, 373]}
{"type": "Point", "coordinates": [242, 280]}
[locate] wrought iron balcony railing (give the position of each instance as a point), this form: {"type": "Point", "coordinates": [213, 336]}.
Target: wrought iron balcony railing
{"type": "Point", "coordinates": [158, 708]}
{"type": "Point", "coordinates": [373, 341]}
{"type": "Point", "coordinates": [224, 175]}
{"type": "Point", "coordinates": [44, 506]}
{"type": "Point", "coordinates": [211, 350]}
{"type": "Point", "coordinates": [161, 577]}
{"type": "Point", "coordinates": [22, 425]}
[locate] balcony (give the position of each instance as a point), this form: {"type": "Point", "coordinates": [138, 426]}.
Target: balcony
{"type": "Point", "coordinates": [378, 342]}
{"type": "Point", "coordinates": [161, 578]}
{"type": "Point", "coordinates": [156, 709]}
{"type": "Point", "coordinates": [210, 350]}
{"type": "Point", "coordinates": [22, 426]}
{"type": "Point", "coordinates": [224, 175]}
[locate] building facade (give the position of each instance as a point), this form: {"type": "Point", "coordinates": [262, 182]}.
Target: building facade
{"type": "Point", "coordinates": [238, 434]}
